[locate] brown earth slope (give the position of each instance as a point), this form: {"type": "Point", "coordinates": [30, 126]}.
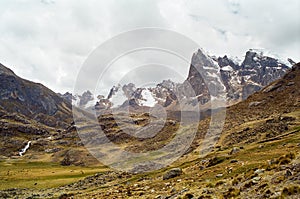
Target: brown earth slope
{"type": "Point", "coordinates": [33, 100]}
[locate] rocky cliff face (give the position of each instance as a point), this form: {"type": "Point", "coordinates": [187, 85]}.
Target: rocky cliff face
{"type": "Point", "coordinates": [240, 80]}
{"type": "Point", "coordinates": [209, 77]}
{"type": "Point", "coordinates": [254, 73]}
{"type": "Point", "coordinates": [32, 100]}
{"type": "Point", "coordinates": [67, 96]}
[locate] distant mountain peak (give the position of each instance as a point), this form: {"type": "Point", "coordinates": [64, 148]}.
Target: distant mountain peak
{"type": "Point", "coordinates": [209, 76]}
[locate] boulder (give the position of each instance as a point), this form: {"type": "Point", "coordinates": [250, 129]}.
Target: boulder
{"type": "Point", "coordinates": [172, 173]}
{"type": "Point", "coordinates": [220, 175]}
{"type": "Point", "coordinates": [259, 171]}
{"type": "Point", "coordinates": [272, 87]}
{"type": "Point", "coordinates": [255, 103]}
{"type": "Point", "coordinates": [234, 150]}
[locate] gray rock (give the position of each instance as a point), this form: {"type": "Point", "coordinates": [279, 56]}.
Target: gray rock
{"type": "Point", "coordinates": [272, 87]}
{"type": "Point", "coordinates": [288, 173]}
{"type": "Point", "coordinates": [259, 171]}
{"type": "Point", "coordinates": [220, 175]}
{"type": "Point", "coordinates": [290, 83]}
{"type": "Point", "coordinates": [54, 150]}
{"type": "Point", "coordinates": [172, 173]}
{"type": "Point", "coordinates": [255, 103]}
{"type": "Point", "coordinates": [256, 178]}
{"type": "Point", "coordinates": [234, 150]}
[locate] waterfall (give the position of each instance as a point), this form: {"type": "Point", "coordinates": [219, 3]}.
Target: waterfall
{"type": "Point", "coordinates": [25, 148]}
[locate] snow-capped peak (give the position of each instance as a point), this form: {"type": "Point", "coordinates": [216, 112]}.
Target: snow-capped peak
{"type": "Point", "coordinates": [267, 53]}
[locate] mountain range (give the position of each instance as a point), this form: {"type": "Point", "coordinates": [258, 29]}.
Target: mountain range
{"type": "Point", "coordinates": [208, 77]}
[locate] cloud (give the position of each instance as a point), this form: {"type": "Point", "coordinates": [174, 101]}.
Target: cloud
{"type": "Point", "coordinates": [47, 41]}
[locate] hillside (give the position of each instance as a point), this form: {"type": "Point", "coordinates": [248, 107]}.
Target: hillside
{"type": "Point", "coordinates": [257, 156]}
{"type": "Point", "coordinates": [33, 100]}
{"type": "Point", "coordinates": [272, 106]}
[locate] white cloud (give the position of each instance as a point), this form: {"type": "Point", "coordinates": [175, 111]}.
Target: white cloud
{"type": "Point", "coordinates": [47, 41]}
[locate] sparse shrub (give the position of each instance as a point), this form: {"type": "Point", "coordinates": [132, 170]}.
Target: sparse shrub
{"type": "Point", "coordinates": [205, 197]}
{"type": "Point", "coordinates": [188, 196]}
{"type": "Point", "coordinates": [268, 193]}
{"type": "Point", "coordinates": [220, 183]}
{"type": "Point", "coordinates": [248, 184]}
{"type": "Point", "coordinates": [286, 159]}
{"type": "Point", "coordinates": [271, 167]}
{"type": "Point", "coordinates": [219, 148]}
{"type": "Point", "coordinates": [235, 181]}
{"type": "Point", "coordinates": [66, 161]}
{"type": "Point", "coordinates": [263, 186]}
{"type": "Point", "coordinates": [278, 179]}
{"type": "Point", "coordinates": [290, 155]}
{"type": "Point", "coordinates": [210, 185]}
{"type": "Point", "coordinates": [232, 192]}
{"type": "Point", "coordinates": [66, 196]}
{"type": "Point", "coordinates": [250, 174]}
{"type": "Point", "coordinates": [291, 190]}
{"type": "Point", "coordinates": [239, 178]}
{"type": "Point", "coordinates": [128, 192]}
{"type": "Point", "coordinates": [4, 195]}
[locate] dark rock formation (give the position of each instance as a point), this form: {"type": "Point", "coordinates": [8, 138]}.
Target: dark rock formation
{"type": "Point", "coordinates": [33, 100]}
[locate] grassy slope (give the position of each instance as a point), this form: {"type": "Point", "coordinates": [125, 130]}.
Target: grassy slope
{"type": "Point", "coordinates": [252, 157]}
{"type": "Point", "coordinates": [39, 175]}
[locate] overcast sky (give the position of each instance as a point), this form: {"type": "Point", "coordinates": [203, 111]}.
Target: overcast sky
{"type": "Point", "coordinates": [47, 41]}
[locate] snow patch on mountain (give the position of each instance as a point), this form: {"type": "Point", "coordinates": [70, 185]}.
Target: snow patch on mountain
{"type": "Point", "coordinates": [236, 60]}
{"type": "Point", "coordinates": [267, 53]}
{"type": "Point", "coordinates": [76, 100]}
{"type": "Point", "coordinates": [118, 99]}
{"type": "Point", "coordinates": [227, 68]}
{"type": "Point", "coordinates": [91, 103]}
{"type": "Point", "coordinates": [147, 98]}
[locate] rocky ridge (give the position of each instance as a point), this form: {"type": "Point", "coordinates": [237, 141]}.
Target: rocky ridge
{"type": "Point", "coordinates": [33, 100]}
{"type": "Point", "coordinates": [209, 78]}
